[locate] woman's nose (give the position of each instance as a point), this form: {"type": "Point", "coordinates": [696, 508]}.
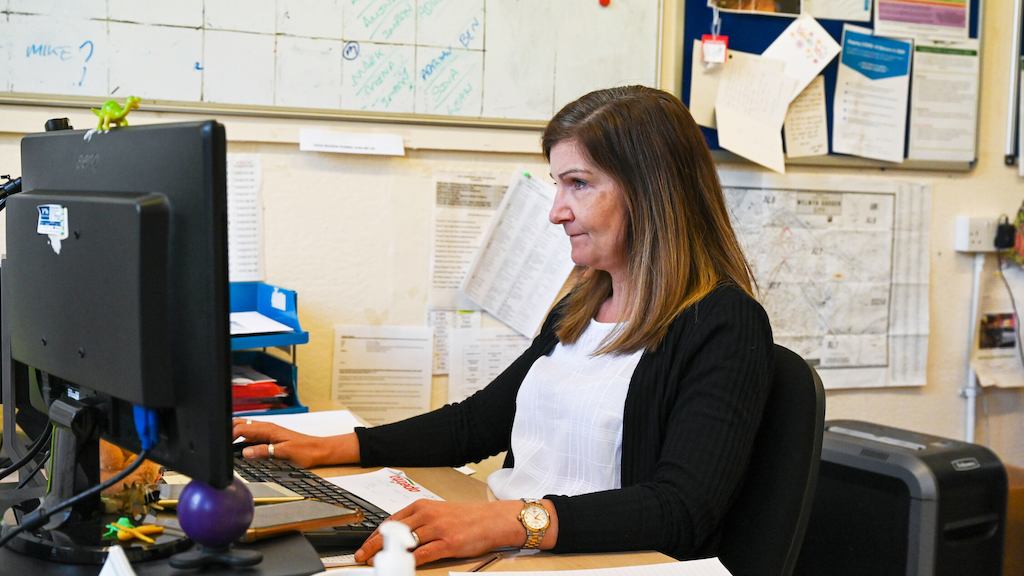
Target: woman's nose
{"type": "Point", "coordinates": [560, 212]}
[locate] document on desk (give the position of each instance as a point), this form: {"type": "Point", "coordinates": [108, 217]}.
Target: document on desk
{"type": "Point", "coordinates": [387, 488]}
{"type": "Point", "coordinates": [944, 101]}
{"type": "Point", "coordinates": [245, 218]}
{"type": "Point", "coordinates": [382, 373]}
{"type": "Point", "coordinates": [524, 260]}
{"type": "Point", "coordinates": [753, 95]}
{"type": "Point", "coordinates": [478, 355]}
{"type": "Point", "coordinates": [870, 105]}
{"type": "Point", "coordinates": [325, 423]}
{"type": "Point", "coordinates": [464, 206]}
{"type": "Point", "coordinates": [806, 48]}
{"type": "Point", "coordinates": [703, 567]}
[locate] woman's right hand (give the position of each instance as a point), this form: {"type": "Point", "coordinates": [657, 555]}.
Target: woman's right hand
{"type": "Point", "coordinates": [303, 450]}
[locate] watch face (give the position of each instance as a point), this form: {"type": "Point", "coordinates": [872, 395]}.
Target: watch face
{"type": "Point", "coordinates": [535, 517]}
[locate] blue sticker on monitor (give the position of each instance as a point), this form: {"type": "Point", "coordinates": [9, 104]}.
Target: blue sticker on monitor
{"type": "Point", "coordinates": [53, 220]}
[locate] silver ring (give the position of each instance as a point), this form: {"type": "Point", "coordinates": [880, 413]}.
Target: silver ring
{"type": "Point", "coordinates": [248, 421]}
{"type": "Point", "coordinates": [415, 539]}
{"type": "Point", "coordinates": [270, 450]}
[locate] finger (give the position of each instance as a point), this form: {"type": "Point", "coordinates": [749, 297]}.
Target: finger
{"type": "Point", "coordinates": [255, 431]}
{"type": "Point", "coordinates": [258, 452]}
{"type": "Point", "coordinates": [433, 550]}
{"type": "Point", "coordinates": [370, 547]}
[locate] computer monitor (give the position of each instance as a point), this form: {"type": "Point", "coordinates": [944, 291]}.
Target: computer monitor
{"type": "Point", "coordinates": [115, 284]}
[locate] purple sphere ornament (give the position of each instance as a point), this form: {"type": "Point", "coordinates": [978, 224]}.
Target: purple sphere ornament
{"type": "Point", "coordinates": [213, 517]}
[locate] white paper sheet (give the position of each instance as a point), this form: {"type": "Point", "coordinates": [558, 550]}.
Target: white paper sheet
{"type": "Point", "coordinates": [314, 140]}
{"type": "Point", "coordinates": [140, 50]}
{"type": "Point", "coordinates": [753, 95]}
{"type": "Point", "coordinates": [524, 260]}
{"type": "Point", "coordinates": [325, 423]}
{"type": "Point", "coordinates": [378, 77]}
{"type": "Point", "coordinates": [944, 101]}
{"type": "Point", "coordinates": [806, 48]}
{"type": "Point", "coordinates": [870, 103]}
{"type": "Point", "coordinates": [382, 373]}
{"type": "Point", "coordinates": [703, 567]}
{"type": "Point", "coordinates": [225, 81]}
{"type": "Point", "coordinates": [444, 323]}
{"type": "Point", "coordinates": [449, 81]}
{"type": "Point", "coordinates": [308, 72]}
{"type": "Point", "coordinates": [704, 82]}
{"type": "Point", "coordinates": [464, 205]}
{"type": "Point", "coordinates": [387, 488]}
{"type": "Point", "coordinates": [806, 126]}
{"type": "Point", "coordinates": [245, 218]}
{"type": "Point", "coordinates": [849, 10]}
{"type": "Point", "coordinates": [478, 355]}
{"type": "Point", "coordinates": [946, 20]}
{"type": "Point", "coordinates": [243, 323]}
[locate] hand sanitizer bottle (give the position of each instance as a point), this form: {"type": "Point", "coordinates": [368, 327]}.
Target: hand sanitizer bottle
{"type": "Point", "coordinates": [395, 559]}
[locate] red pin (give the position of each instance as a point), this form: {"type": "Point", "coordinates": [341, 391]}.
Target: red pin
{"type": "Point", "coordinates": [604, 3]}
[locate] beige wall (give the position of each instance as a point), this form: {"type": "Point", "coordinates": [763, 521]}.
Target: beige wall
{"type": "Point", "coordinates": [352, 235]}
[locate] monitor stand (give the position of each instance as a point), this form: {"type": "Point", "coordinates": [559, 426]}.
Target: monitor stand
{"type": "Point", "coordinates": [75, 535]}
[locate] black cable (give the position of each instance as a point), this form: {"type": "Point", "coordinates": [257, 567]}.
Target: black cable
{"type": "Point", "coordinates": [40, 515]}
{"type": "Point", "coordinates": [32, 474]}
{"type": "Point", "coordinates": [36, 447]}
{"type": "Point", "coordinates": [1013, 302]}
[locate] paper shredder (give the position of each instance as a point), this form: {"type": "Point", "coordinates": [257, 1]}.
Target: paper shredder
{"type": "Point", "coordinates": [895, 502]}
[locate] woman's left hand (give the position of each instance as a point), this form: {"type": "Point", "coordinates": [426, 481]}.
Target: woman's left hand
{"type": "Point", "coordinates": [454, 529]}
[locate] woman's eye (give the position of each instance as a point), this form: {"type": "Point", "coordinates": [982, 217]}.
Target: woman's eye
{"type": "Point", "coordinates": [577, 184]}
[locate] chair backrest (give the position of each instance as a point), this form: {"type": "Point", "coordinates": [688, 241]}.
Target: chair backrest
{"type": "Point", "coordinates": [764, 529]}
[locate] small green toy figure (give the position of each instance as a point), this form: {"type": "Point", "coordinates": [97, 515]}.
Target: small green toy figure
{"type": "Point", "coordinates": [112, 114]}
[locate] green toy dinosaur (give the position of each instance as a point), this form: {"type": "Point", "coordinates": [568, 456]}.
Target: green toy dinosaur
{"type": "Point", "coordinates": [112, 114]}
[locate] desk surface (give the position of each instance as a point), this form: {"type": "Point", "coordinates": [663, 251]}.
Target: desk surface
{"type": "Point", "coordinates": [457, 487]}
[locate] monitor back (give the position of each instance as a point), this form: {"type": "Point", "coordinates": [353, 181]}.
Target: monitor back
{"type": "Point", "coordinates": [132, 191]}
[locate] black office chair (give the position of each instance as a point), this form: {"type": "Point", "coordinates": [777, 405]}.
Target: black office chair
{"type": "Point", "coordinates": [764, 529]}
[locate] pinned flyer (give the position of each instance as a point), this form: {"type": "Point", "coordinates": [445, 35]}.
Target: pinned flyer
{"type": "Point", "coordinates": [313, 140]}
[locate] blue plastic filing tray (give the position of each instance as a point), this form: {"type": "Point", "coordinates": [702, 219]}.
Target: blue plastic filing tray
{"type": "Point", "coordinates": [286, 374]}
{"type": "Point", "coordinates": [258, 296]}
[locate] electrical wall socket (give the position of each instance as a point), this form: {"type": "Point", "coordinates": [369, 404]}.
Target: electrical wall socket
{"type": "Point", "coordinates": [975, 234]}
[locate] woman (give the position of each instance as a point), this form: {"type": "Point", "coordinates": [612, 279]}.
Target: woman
{"type": "Point", "coordinates": [629, 420]}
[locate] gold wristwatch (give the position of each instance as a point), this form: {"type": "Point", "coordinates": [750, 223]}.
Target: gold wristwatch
{"type": "Point", "coordinates": [535, 520]}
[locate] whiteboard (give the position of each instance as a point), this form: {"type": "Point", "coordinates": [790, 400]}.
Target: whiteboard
{"type": "Point", "coordinates": [463, 59]}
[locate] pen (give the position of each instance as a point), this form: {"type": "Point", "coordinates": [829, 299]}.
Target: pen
{"type": "Point", "coordinates": [484, 564]}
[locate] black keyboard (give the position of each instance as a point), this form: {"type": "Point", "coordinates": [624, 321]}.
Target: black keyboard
{"type": "Point", "coordinates": [304, 483]}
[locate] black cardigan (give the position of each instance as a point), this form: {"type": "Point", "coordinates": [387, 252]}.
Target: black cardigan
{"type": "Point", "coordinates": [692, 410]}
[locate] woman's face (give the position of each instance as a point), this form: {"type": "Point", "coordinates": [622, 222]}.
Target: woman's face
{"type": "Point", "coordinates": [590, 208]}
